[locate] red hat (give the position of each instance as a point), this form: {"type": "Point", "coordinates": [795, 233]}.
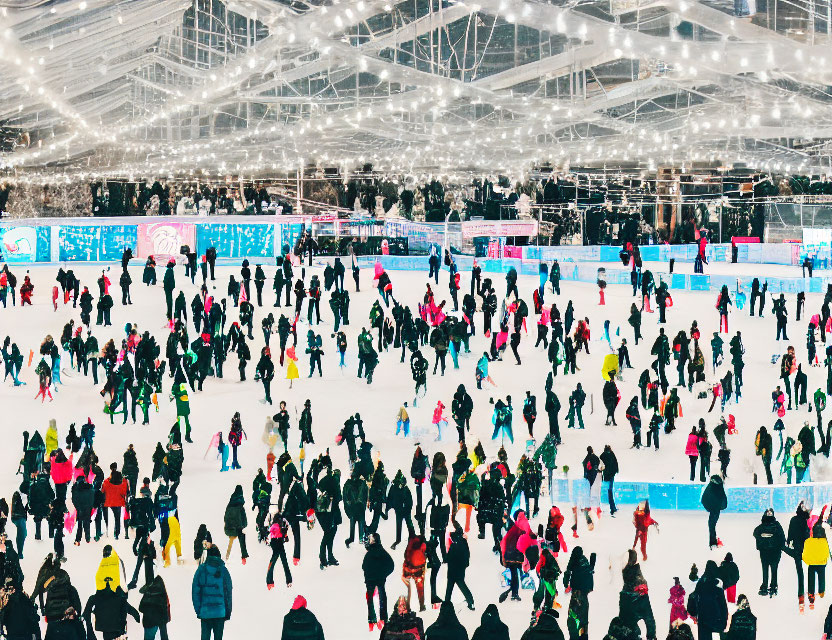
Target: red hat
{"type": "Point", "coordinates": [299, 603]}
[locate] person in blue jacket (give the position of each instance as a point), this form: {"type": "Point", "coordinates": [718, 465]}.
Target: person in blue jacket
{"type": "Point", "coordinates": [211, 595]}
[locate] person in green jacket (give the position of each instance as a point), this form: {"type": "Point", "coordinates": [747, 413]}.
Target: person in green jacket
{"type": "Point", "coordinates": [547, 453]}
{"type": "Point", "coordinates": [183, 408]}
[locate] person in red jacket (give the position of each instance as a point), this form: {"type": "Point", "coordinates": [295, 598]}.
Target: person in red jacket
{"type": "Point", "coordinates": [26, 291]}
{"type": "Point", "coordinates": [642, 521]}
{"type": "Point", "coordinates": [115, 497]}
{"type": "Point", "coordinates": [414, 568]}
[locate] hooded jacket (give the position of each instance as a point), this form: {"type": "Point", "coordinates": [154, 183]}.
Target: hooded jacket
{"type": "Point", "coordinates": [491, 627]}
{"type": "Point", "coordinates": [60, 595]}
{"type": "Point", "coordinates": [769, 536]}
{"type": "Point", "coordinates": [235, 514]}
{"type": "Point", "coordinates": [713, 497]}
{"type": "Point", "coordinates": [447, 625]}
{"type": "Point", "coordinates": [154, 605]}
{"type": "Point", "coordinates": [708, 600]}
{"type": "Point", "coordinates": [377, 564]}
{"type": "Point", "coordinates": [300, 623]}
{"type": "Point", "coordinates": [211, 590]}
{"type": "Point", "coordinates": [115, 490]}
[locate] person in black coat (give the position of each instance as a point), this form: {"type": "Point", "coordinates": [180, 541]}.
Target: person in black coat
{"type": "Point", "coordinates": [447, 625]}
{"type": "Point", "coordinates": [609, 472]}
{"type": "Point", "coordinates": [400, 500]}
{"type": "Point", "coordinates": [69, 627]}
{"type": "Point", "coordinates": [457, 558]}
{"type": "Point", "coordinates": [83, 499]}
{"type": "Point", "coordinates": [491, 627]}
{"type": "Point", "coordinates": [796, 538]}
{"type": "Point", "coordinates": [20, 617]}
{"type": "Point", "coordinates": [41, 496]}
{"type": "Point", "coordinates": [492, 506]}
{"type": "Point", "coordinates": [707, 603]}
{"type": "Point", "coordinates": [300, 623]}
{"type": "Point", "coordinates": [769, 539]}
{"type": "Point", "coordinates": [211, 259]}
{"type": "Point", "coordinates": [155, 607]}
{"type": "Point", "coordinates": [579, 577]}
{"type": "Point", "coordinates": [715, 501]}
{"type": "Point", "coordinates": [377, 567]}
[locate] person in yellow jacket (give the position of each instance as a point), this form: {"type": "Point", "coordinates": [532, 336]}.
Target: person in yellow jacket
{"type": "Point", "coordinates": [110, 570]}
{"type": "Point", "coordinates": [403, 421]}
{"type": "Point", "coordinates": [51, 439]}
{"type": "Point", "coordinates": [174, 540]}
{"type": "Point", "coordinates": [815, 555]}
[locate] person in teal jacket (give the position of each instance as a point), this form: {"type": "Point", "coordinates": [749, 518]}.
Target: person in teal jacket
{"type": "Point", "coordinates": [211, 594]}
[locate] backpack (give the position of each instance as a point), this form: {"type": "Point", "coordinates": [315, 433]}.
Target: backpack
{"type": "Point", "coordinates": [405, 634]}
{"type": "Point", "coordinates": [323, 504]}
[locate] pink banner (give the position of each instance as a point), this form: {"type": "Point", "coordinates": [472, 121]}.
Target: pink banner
{"type": "Point", "coordinates": [162, 240]}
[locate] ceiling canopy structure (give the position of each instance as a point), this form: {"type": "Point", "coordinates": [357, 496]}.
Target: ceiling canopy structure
{"type": "Point", "coordinates": [166, 87]}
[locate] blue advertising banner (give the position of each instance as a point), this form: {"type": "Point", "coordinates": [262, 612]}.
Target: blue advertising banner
{"type": "Point", "coordinates": [236, 240]}
{"type": "Point", "coordinates": [44, 253]}
{"type": "Point", "coordinates": [114, 239]}
{"type": "Point", "coordinates": [78, 243]}
{"type": "Point", "coordinates": [18, 244]}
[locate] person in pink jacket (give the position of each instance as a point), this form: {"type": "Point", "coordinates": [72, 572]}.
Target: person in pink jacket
{"type": "Point", "coordinates": [512, 556]}
{"type": "Point", "coordinates": [678, 612]}
{"type": "Point", "coordinates": [692, 451]}
{"type": "Point", "coordinates": [60, 468]}
{"type": "Point", "coordinates": [543, 327]}
{"type": "Point", "coordinates": [438, 419]}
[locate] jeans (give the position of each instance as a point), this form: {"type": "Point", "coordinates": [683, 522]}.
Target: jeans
{"type": "Point", "coordinates": [243, 550]}
{"type": "Point", "coordinates": [406, 519]}
{"type": "Point", "coordinates": [713, 516]}
{"type": "Point", "coordinates": [798, 566]}
{"type": "Point", "coordinates": [83, 529]}
{"type": "Point", "coordinates": [610, 496]}
{"type": "Point", "coordinates": [817, 571]}
{"type": "Point", "coordinates": [213, 626]}
{"type": "Point", "coordinates": [361, 525]}
{"type": "Point", "coordinates": [20, 525]}
{"type": "Point", "coordinates": [458, 580]}
{"type": "Point", "coordinates": [116, 519]}
{"type": "Point", "coordinates": [769, 565]}
{"type": "Point", "coordinates": [150, 632]}
{"type": "Point", "coordinates": [278, 551]}
{"type": "Point", "coordinates": [325, 552]}
{"type": "Point", "coordinates": [382, 602]}
{"type": "Point", "coordinates": [514, 572]}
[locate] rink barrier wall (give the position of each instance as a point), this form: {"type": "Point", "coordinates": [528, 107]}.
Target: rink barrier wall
{"type": "Point", "coordinates": [687, 497]}
{"type": "Point", "coordinates": [589, 273]}
{"type": "Point", "coordinates": [261, 237]}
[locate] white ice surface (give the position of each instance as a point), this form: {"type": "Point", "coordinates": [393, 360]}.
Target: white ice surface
{"type": "Point", "coordinates": [336, 595]}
